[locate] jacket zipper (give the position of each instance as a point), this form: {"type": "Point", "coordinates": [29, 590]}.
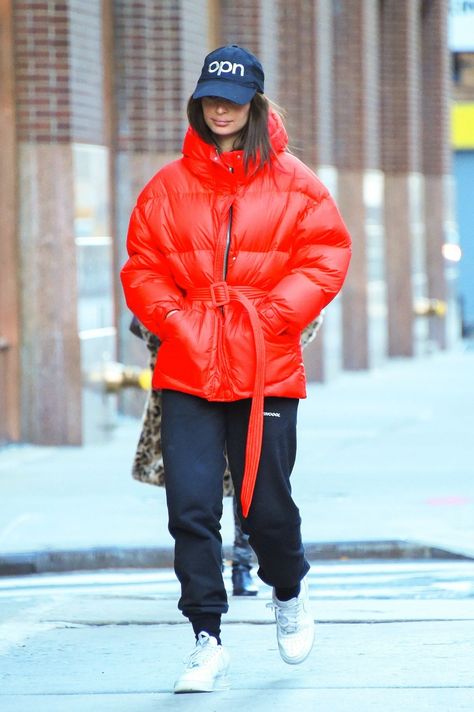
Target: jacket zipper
{"type": "Point", "coordinates": [224, 276]}
{"type": "Point", "coordinates": [227, 245]}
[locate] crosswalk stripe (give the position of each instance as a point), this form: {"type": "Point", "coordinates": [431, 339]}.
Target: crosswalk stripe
{"type": "Point", "coordinates": [412, 580]}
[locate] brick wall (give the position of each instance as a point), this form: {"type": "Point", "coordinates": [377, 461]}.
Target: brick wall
{"type": "Point", "coordinates": [400, 85]}
{"type": "Point", "coordinates": [324, 78]}
{"type": "Point", "coordinates": [435, 87]}
{"type": "Point", "coordinates": [348, 90]}
{"type": "Point", "coordinates": [370, 82]}
{"type": "Point", "coordinates": [254, 25]}
{"type": "Point", "coordinates": [42, 71]}
{"type": "Point", "coordinates": [58, 63]}
{"type": "Point", "coordinates": [159, 48]}
{"type": "Point", "coordinates": [356, 84]}
{"type": "Point", "coordinates": [297, 75]}
{"type": "Point", "coordinates": [147, 70]}
{"type": "Point", "coordinates": [86, 71]}
{"type": "Point", "coordinates": [193, 48]}
{"type": "Point", "coordinates": [240, 23]}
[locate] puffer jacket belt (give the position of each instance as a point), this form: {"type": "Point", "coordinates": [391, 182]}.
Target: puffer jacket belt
{"type": "Point", "coordinates": [220, 294]}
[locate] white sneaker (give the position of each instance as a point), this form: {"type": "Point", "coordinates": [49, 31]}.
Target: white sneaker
{"type": "Point", "coordinates": [295, 626]}
{"type": "Point", "coordinates": [206, 668]}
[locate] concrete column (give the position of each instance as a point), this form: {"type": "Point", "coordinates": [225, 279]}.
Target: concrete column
{"type": "Point", "coordinates": [401, 156]}
{"type": "Point", "coordinates": [297, 65]}
{"type": "Point", "coordinates": [269, 47]}
{"type": "Point", "coordinates": [51, 374]}
{"type": "Point", "coordinates": [9, 302]}
{"type": "Point", "coordinates": [356, 147]}
{"type": "Point", "coordinates": [436, 160]}
{"type": "Point", "coordinates": [50, 350]}
{"type": "Point", "coordinates": [324, 357]}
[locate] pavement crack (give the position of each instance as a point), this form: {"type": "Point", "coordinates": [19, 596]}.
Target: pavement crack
{"type": "Point", "coordinates": [131, 622]}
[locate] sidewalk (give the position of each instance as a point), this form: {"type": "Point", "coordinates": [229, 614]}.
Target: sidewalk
{"type": "Point", "coordinates": [388, 638]}
{"type": "Point", "coordinates": [385, 468]}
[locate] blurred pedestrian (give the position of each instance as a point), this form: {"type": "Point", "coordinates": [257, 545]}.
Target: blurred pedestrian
{"type": "Point", "coordinates": [233, 250]}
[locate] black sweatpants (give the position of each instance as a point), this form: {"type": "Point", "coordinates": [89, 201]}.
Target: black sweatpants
{"type": "Point", "coordinates": [195, 434]}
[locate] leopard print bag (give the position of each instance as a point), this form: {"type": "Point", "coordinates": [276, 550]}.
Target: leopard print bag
{"type": "Point", "coordinates": [148, 461]}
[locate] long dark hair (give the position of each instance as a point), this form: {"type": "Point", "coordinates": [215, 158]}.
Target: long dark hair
{"type": "Point", "coordinates": [253, 140]}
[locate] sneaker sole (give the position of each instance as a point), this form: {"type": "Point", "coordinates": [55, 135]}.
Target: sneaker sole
{"type": "Point", "coordinates": [220, 683]}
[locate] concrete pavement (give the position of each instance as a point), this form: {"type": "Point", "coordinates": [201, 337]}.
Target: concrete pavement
{"type": "Point", "coordinates": [384, 468]}
{"type": "Point", "coordinates": [390, 637]}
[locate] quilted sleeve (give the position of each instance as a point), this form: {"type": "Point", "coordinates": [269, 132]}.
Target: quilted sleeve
{"type": "Point", "coordinates": [317, 268]}
{"type": "Point", "coordinates": [149, 288]}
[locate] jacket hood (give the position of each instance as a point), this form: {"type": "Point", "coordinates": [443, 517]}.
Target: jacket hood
{"type": "Point", "coordinates": [226, 169]}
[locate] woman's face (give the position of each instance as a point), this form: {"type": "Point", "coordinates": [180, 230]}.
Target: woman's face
{"type": "Point", "coordinates": [225, 119]}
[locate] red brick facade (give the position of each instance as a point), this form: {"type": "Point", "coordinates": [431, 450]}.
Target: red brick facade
{"type": "Point", "coordinates": [434, 67]}
{"type": "Point", "coordinates": [400, 85]}
{"type": "Point", "coordinates": [297, 63]}
{"type": "Point", "coordinates": [147, 75]}
{"type": "Point", "coordinates": [240, 23]}
{"type": "Point", "coordinates": [42, 71]}
{"type": "Point", "coordinates": [58, 71]}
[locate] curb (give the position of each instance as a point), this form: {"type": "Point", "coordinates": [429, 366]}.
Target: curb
{"type": "Point", "coordinates": [93, 559]}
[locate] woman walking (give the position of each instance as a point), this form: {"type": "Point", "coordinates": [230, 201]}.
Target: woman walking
{"type": "Point", "coordinates": [233, 250]}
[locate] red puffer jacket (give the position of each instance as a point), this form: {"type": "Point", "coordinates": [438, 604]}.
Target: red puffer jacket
{"type": "Point", "coordinates": [248, 259]}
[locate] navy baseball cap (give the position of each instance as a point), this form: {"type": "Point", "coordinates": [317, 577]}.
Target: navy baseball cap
{"type": "Point", "coordinates": [232, 73]}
